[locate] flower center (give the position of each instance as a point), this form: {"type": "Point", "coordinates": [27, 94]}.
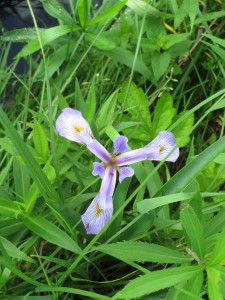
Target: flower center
{"type": "Point", "coordinates": [77, 128]}
{"type": "Point", "coordinates": [161, 149]}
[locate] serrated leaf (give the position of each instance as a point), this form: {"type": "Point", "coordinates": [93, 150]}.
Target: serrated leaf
{"type": "Point", "coordinates": [193, 230]}
{"type": "Point", "coordinates": [163, 113]}
{"type": "Point", "coordinates": [156, 281]}
{"type": "Point", "coordinates": [19, 35]}
{"type": "Point", "coordinates": [184, 129]}
{"type": "Point", "coordinates": [142, 252]}
{"type": "Point", "coordinates": [191, 7]}
{"type": "Point", "coordinates": [50, 232]}
{"type": "Point", "coordinates": [135, 103]}
{"type": "Point", "coordinates": [40, 140]}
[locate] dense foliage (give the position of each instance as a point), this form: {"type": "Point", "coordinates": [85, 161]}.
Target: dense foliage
{"type": "Point", "coordinates": [131, 67]}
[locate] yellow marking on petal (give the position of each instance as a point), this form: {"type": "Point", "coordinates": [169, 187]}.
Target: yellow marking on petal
{"type": "Point", "coordinates": [161, 149]}
{"type": "Point", "coordinates": [98, 210]}
{"type": "Point", "coordinates": [77, 128]}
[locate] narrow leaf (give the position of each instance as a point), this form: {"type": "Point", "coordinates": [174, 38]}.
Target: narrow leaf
{"type": "Point", "coordinates": [193, 230]}
{"type": "Point", "coordinates": [156, 281]}
{"type": "Point", "coordinates": [50, 232]}
{"type": "Point", "coordinates": [214, 284]}
{"type": "Point", "coordinates": [40, 140]}
{"type": "Point", "coordinates": [142, 252]}
{"type": "Point", "coordinates": [218, 254]}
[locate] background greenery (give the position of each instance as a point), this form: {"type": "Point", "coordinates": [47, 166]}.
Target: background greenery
{"type": "Point", "coordinates": [134, 67]}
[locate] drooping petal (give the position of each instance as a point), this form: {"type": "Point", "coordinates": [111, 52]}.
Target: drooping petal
{"type": "Point", "coordinates": [70, 122]}
{"type": "Point", "coordinates": [125, 172]}
{"type": "Point", "coordinates": [95, 217]}
{"type": "Point", "coordinates": [130, 157]}
{"type": "Point", "coordinates": [98, 170]}
{"type": "Point", "coordinates": [95, 147]}
{"type": "Point", "coordinates": [100, 210]}
{"type": "Point", "coordinates": [163, 147]}
{"type": "Point", "coordinates": [120, 144]}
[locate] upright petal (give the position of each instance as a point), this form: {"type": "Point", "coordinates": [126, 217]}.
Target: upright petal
{"type": "Point", "coordinates": [163, 147]}
{"type": "Point", "coordinates": [98, 170]}
{"type": "Point", "coordinates": [70, 122]}
{"type": "Point", "coordinates": [95, 217]}
{"type": "Point", "coordinates": [125, 172]}
{"type": "Point", "coordinates": [120, 144]}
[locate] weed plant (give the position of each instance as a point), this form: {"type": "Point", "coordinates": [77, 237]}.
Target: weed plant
{"type": "Point", "coordinates": [133, 68]}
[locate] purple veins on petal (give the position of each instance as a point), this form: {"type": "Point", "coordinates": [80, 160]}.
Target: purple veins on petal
{"type": "Point", "coordinates": [163, 147]}
{"type": "Point", "coordinates": [125, 172]}
{"type": "Point", "coordinates": [70, 122]}
{"type": "Point", "coordinates": [120, 144]}
{"type": "Point", "coordinates": [98, 170]}
{"type": "Point", "coordinates": [96, 216]}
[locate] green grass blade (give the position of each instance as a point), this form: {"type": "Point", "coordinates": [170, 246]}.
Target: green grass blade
{"type": "Point", "coordinates": [35, 170]}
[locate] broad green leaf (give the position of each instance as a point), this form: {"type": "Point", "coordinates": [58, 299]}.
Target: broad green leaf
{"type": "Point", "coordinates": [135, 103]}
{"type": "Point", "coordinates": [171, 39]}
{"type": "Point", "coordinates": [21, 178]}
{"type": "Point", "coordinates": [108, 14]}
{"type": "Point", "coordinates": [218, 254]}
{"type": "Point", "coordinates": [140, 7]}
{"type": "Point", "coordinates": [55, 9]}
{"type": "Point", "coordinates": [127, 58]}
{"type": "Point", "coordinates": [13, 251]}
{"type": "Point", "coordinates": [181, 180]}
{"type": "Point", "coordinates": [40, 140]}
{"type": "Point", "coordinates": [106, 112]}
{"type": "Point", "coordinates": [193, 231]}
{"type": "Point", "coordinates": [50, 232]}
{"type": "Point", "coordinates": [156, 281]}
{"type": "Point", "coordinates": [214, 284]}
{"type": "Point", "coordinates": [191, 7]}
{"type": "Point", "coordinates": [11, 209]}
{"type": "Point", "coordinates": [183, 131]}
{"type": "Point", "coordinates": [160, 63]}
{"type": "Point", "coordinates": [100, 41]}
{"type": "Point", "coordinates": [142, 252]}
{"type": "Point", "coordinates": [83, 8]}
{"type": "Point", "coordinates": [163, 113]}
{"type": "Point", "coordinates": [47, 36]}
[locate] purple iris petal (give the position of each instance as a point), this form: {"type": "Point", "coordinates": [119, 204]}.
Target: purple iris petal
{"type": "Point", "coordinates": [100, 210]}
{"type": "Point", "coordinates": [95, 147]}
{"type": "Point", "coordinates": [70, 122]}
{"type": "Point", "coordinates": [125, 172]}
{"type": "Point", "coordinates": [120, 144]}
{"type": "Point", "coordinates": [163, 146]}
{"type": "Point", "coordinates": [95, 217]}
{"type": "Point", "coordinates": [130, 157]}
{"type": "Point", "coordinates": [98, 169]}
